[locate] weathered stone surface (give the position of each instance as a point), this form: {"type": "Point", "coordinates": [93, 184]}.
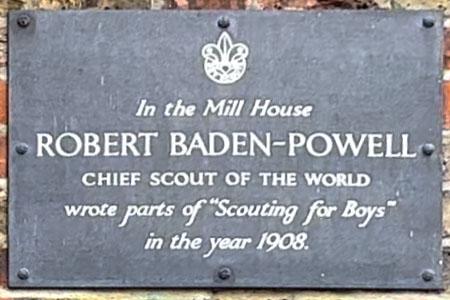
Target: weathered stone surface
{"type": "Point", "coordinates": [3, 213]}
{"type": "Point", "coordinates": [197, 4]}
{"type": "Point", "coordinates": [6, 5]}
{"type": "Point", "coordinates": [3, 151]}
{"type": "Point", "coordinates": [421, 4]}
{"type": "Point", "coordinates": [232, 4]}
{"type": "Point", "coordinates": [221, 295]}
{"type": "Point", "coordinates": [3, 49]}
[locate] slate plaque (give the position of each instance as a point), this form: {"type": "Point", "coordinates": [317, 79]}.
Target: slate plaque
{"type": "Point", "coordinates": [225, 149]}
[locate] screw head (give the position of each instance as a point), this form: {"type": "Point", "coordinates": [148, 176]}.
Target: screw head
{"type": "Point", "coordinates": [224, 273]}
{"type": "Point", "coordinates": [427, 275]}
{"type": "Point", "coordinates": [23, 20]}
{"type": "Point", "coordinates": [428, 149]}
{"type": "Point", "coordinates": [428, 22]}
{"type": "Point", "coordinates": [23, 274]}
{"type": "Point", "coordinates": [21, 148]}
{"type": "Point", "coordinates": [223, 22]}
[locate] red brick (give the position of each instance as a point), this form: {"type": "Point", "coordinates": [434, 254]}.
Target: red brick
{"type": "Point", "coordinates": [446, 93]}
{"type": "Point", "coordinates": [447, 48]}
{"type": "Point", "coordinates": [3, 102]}
{"type": "Point", "coordinates": [3, 269]}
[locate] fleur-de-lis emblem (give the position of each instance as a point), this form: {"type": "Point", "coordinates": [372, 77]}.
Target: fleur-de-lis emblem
{"type": "Point", "coordinates": [225, 62]}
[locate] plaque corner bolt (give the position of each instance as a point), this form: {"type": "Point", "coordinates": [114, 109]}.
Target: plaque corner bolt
{"type": "Point", "coordinates": [224, 273]}
{"type": "Point", "coordinates": [428, 275]}
{"type": "Point", "coordinates": [23, 274]}
{"type": "Point", "coordinates": [23, 20]}
{"type": "Point", "coordinates": [428, 22]}
{"type": "Point", "coordinates": [428, 149]}
{"type": "Point", "coordinates": [21, 148]}
{"type": "Point", "coordinates": [223, 22]}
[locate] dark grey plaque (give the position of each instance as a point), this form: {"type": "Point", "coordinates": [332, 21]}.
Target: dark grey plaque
{"type": "Point", "coordinates": [371, 76]}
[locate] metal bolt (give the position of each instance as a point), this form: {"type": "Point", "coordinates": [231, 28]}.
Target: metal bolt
{"type": "Point", "coordinates": [224, 273]}
{"type": "Point", "coordinates": [23, 20]}
{"type": "Point", "coordinates": [23, 274]}
{"type": "Point", "coordinates": [428, 22]}
{"type": "Point", "coordinates": [223, 22]}
{"type": "Point", "coordinates": [428, 149]}
{"type": "Point", "coordinates": [21, 148]}
{"type": "Point", "coordinates": [427, 275]}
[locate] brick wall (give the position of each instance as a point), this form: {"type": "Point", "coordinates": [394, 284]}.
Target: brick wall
{"type": "Point", "coordinates": [6, 5]}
